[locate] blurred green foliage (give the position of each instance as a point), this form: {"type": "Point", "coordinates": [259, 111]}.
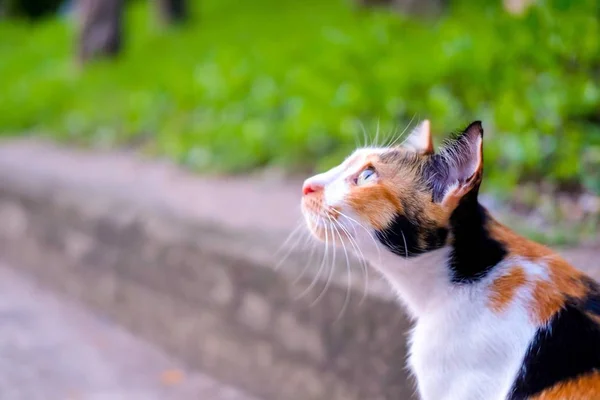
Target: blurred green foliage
{"type": "Point", "coordinates": [294, 83]}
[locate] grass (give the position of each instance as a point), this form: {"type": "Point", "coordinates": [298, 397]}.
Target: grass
{"type": "Point", "coordinates": [294, 83]}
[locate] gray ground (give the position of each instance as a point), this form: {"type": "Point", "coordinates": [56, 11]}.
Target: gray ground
{"type": "Point", "coordinates": [52, 349]}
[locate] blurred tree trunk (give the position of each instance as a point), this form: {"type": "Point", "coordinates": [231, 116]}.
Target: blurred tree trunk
{"type": "Point", "coordinates": [421, 7]}
{"type": "Point", "coordinates": [100, 28]}
{"type": "Point", "coordinates": [417, 7]}
{"type": "Point", "coordinates": [172, 11]}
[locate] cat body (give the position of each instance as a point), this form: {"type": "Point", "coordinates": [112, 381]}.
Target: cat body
{"type": "Point", "coordinates": [496, 316]}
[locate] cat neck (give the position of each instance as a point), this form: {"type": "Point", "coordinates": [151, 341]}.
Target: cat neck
{"type": "Point", "coordinates": [425, 282]}
{"type": "Point", "coordinates": [420, 282]}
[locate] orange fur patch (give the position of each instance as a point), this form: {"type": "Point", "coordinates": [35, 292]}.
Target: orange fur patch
{"type": "Point", "coordinates": [546, 302]}
{"type": "Point", "coordinates": [376, 204]}
{"type": "Point", "coordinates": [504, 288]}
{"type": "Point", "coordinates": [550, 296]}
{"type": "Point", "coordinates": [586, 387]}
{"type": "Point", "coordinates": [564, 281]}
{"type": "Point", "coordinates": [516, 244]}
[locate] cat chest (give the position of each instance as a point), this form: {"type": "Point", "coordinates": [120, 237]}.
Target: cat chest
{"type": "Point", "coordinates": [469, 354]}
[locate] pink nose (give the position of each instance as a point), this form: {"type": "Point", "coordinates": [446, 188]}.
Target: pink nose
{"type": "Point", "coordinates": [311, 187]}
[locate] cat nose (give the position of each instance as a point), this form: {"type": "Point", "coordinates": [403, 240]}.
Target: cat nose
{"type": "Point", "coordinates": [311, 187]}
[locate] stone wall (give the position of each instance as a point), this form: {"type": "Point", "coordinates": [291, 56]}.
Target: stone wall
{"type": "Point", "coordinates": [207, 292]}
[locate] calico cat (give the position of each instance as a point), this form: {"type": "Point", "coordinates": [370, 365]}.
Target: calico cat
{"type": "Point", "coordinates": [496, 315]}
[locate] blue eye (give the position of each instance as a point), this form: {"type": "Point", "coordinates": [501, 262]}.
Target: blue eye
{"type": "Point", "coordinates": [366, 176]}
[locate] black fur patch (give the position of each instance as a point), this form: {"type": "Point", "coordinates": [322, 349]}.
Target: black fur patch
{"type": "Point", "coordinates": [591, 303]}
{"type": "Point", "coordinates": [401, 237]}
{"type": "Point", "coordinates": [474, 251]}
{"type": "Point", "coordinates": [567, 348]}
{"type": "Point", "coordinates": [412, 234]}
{"type": "Point", "coordinates": [435, 238]}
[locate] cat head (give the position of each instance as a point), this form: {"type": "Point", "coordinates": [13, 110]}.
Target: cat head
{"type": "Point", "coordinates": [400, 197]}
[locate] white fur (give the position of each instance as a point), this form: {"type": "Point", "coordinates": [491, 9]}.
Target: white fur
{"type": "Point", "coordinates": [459, 347]}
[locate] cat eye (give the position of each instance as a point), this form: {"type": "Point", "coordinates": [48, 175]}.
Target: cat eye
{"type": "Point", "coordinates": [367, 175]}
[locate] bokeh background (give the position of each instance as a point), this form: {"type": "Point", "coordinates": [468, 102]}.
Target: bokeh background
{"type": "Point", "coordinates": [234, 86]}
{"type": "Point", "coordinates": [244, 99]}
{"type": "Point", "coordinates": [246, 84]}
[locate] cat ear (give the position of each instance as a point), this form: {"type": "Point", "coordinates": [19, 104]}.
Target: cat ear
{"type": "Point", "coordinates": [420, 138]}
{"type": "Point", "coordinates": [464, 159]}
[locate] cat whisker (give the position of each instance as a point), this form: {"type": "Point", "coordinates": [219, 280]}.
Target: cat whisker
{"type": "Point", "coordinates": [357, 142]}
{"type": "Point", "coordinates": [405, 246]}
{"type": "Point", "coordinates": [377, 134]}
{"type": "Point", "coordinates": [331, 269]}
{"type": "Point", "coordinates": [396, 248]}
{"type": "Point", "coordinates": [390, 137]}
{"type": "Point", "coordinates": [393, 137]}
{"type": "Point", "coordinates": [364, 266]}
{"type": "Point", "coordinates": [404, 131]}
{"type": "Point", "coordinates": [365, 136]}
{"type": "Point", "coordinates": [389, 243]}
{"type": "Point", "coordinates": [308, 263]}
{"type": "Point", "coordinates": [369, 234]}
{"type": "Point", "coordinates": [291, 235]}
{"type": "Point", "coordinates": [358, 250]}
{"type": "Point", "coordinates": [318, 274]}
{"type": "Point", "coordinates": [294, 233]}
{"type": "Point", "coordinates": [361, 259]}
{"type": "Point", "coordinates": [348, 274]}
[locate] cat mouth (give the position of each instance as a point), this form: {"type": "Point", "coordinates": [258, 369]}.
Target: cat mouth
{"type": "Point", "coordinates": [318, 211]}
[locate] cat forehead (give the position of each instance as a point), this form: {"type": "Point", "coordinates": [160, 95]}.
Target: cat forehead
{"type": "Point", "coordinates": [360, 157]}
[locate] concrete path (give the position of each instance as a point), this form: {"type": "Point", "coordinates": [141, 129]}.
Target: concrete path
{"type": "Point", "coordinates": [51, 349]}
